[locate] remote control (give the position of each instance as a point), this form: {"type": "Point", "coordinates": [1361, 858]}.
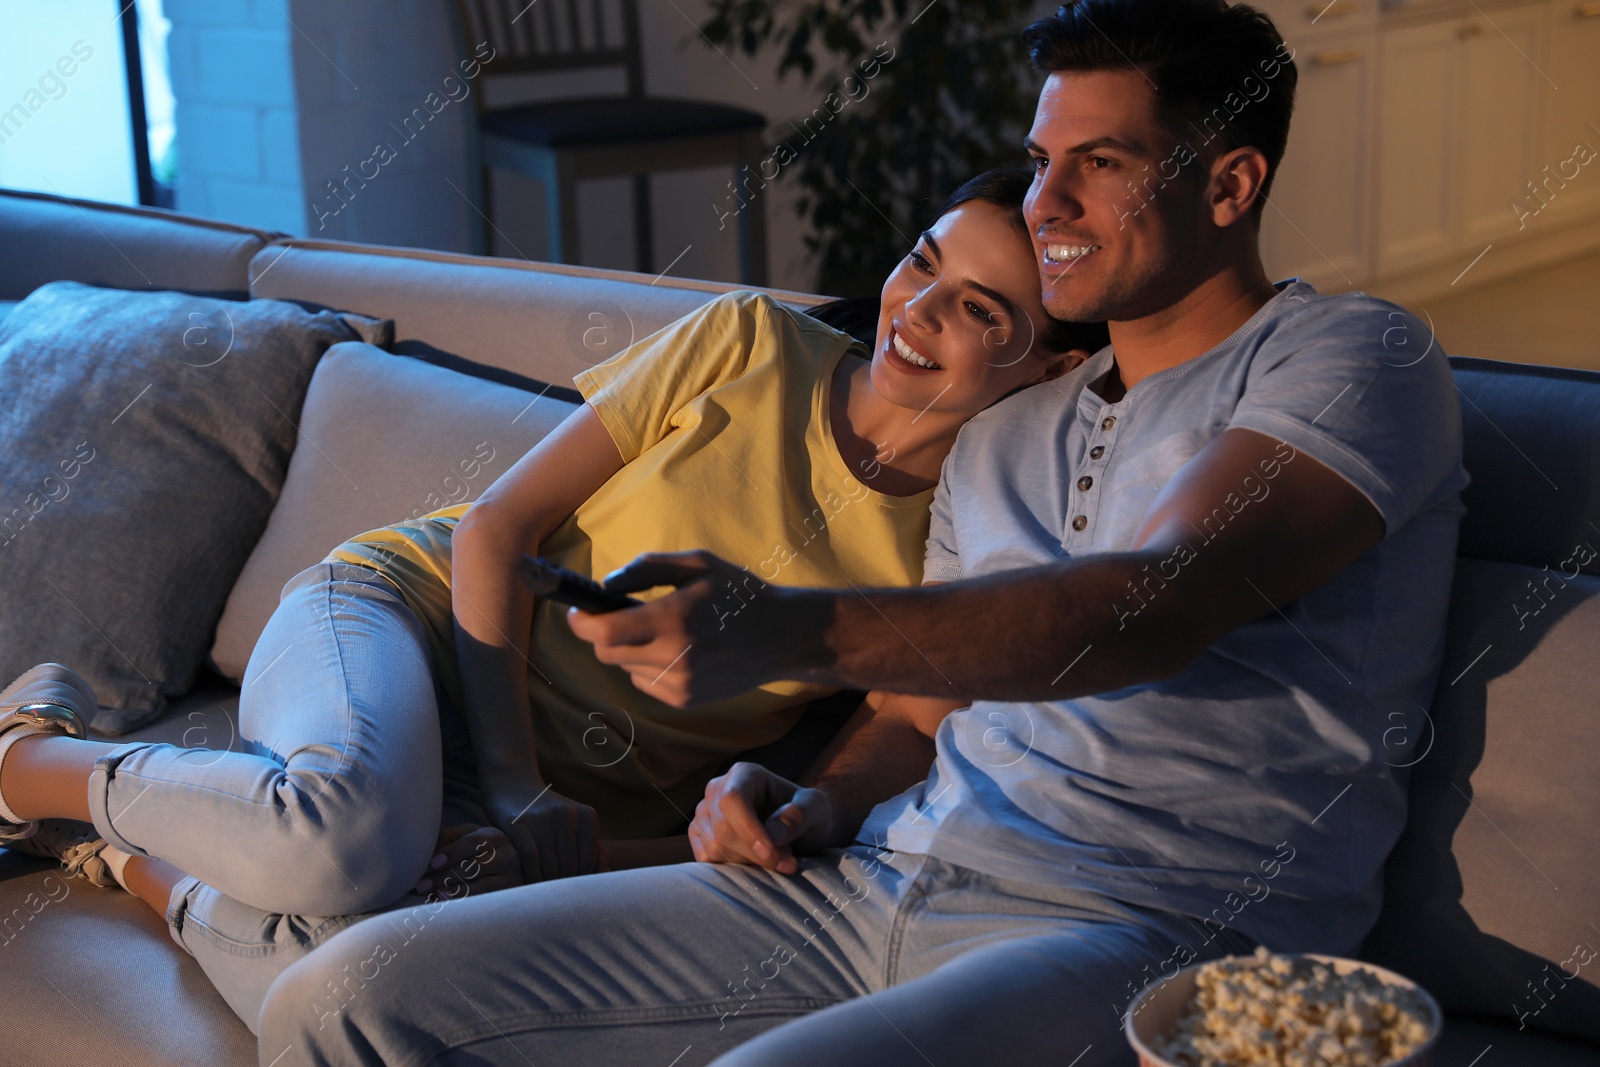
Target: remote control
{"type": "Point", "coordinates": [568, 587]}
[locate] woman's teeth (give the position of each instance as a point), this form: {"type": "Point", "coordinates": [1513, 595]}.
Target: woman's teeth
{"type": "Point", "coordinates": [910, 356]}
{"type": "Point", "coordinates": [1067, 253]}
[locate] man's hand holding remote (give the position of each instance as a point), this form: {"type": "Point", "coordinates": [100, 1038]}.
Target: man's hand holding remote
{"type": "Point", "coordinates": [723, 632]}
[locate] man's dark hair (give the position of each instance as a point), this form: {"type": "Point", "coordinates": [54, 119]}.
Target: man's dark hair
{"type": "Point", "coordinates": [1221, 72]}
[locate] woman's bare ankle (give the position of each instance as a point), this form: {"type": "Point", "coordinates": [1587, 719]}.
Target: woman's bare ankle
{"type": "Point", "coordinates": [151, 880]}
{"type": "Point", "coordinates": [46, 776]}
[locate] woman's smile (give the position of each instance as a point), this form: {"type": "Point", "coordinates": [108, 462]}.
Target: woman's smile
{"type": "Point", "coordinates": [903, 355]}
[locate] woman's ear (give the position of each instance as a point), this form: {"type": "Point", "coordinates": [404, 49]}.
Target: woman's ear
{"type": "Point", "coordinates": [1059, 363]}
{"type": "Point", "coordinates": [1073, 358]}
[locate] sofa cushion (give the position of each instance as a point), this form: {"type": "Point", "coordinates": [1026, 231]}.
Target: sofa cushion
{"type": "Point", "coordinates": [1531, 441]}
{"type": "Point", "coordinates": [1467, 1041]}
{"type": "Point", "coordinates": [103, 980]}
{"type": "Point", "coordinates": [383, 438]}
{"type": "Point", "coordinates": [540, 320]}
{"type": "Point", "coordinates": [120, 247]}
{"type": "Point", "coordinates": [1492, 893]}
{"type": "Point", "coordinates": [145, 436]}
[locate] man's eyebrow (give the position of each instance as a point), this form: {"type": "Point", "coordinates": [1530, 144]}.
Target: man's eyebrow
{"type": "Point", "coordinates": [1088, 146]}
{"type": "Point", "coordinates": [992, 294]}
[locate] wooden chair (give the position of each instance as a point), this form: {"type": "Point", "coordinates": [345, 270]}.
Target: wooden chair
{"type": "Point", "coordinates": [562, 142]}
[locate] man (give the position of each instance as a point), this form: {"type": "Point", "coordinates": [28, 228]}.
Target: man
{"type": "Point", "coordinates": [1194, 588]}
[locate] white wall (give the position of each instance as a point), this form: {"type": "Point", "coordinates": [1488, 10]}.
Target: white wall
{"type": "Point", "coordinates": [384, 109]}
{"type": "Point", "coordinates": [233, 80]}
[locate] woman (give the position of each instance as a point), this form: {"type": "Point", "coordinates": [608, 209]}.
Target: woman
{"type": "Point", "coordinates": [391, 692]}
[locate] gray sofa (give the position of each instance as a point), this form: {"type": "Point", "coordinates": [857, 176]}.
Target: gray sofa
{"type": "Point", "coordinates": [1489, 891]}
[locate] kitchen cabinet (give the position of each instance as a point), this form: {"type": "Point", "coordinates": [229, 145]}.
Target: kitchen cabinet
{"type": "Point", "coordinates": [1425, 131]}
{"type": "Point", "coordinates": [1317, 220]}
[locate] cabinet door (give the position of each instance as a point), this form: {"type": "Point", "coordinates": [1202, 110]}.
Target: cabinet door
{"type": "Point", "coordinates": [1499, 90]}
{"type": "Point", "coordinates": [1571, 115]}
{"type": "Point", "coordinates": [1414, 181]}
{"type": "Point", "coordinates": [1317, 219]}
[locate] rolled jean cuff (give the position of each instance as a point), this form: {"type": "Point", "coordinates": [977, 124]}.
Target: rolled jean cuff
{"type": "Point", "coordinates": [178, 908]}
{"type": "Point", "coordinates": [105, 769]}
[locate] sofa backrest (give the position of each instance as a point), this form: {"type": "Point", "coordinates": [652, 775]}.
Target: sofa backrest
{"type": "Point", "coordinates": [539, 321]}
{"type": "Point", "coordinates": [53, 238]}
{"type": "Point", "coordinates": [1531, 441]}
{"type": "Point", "coordinates": [1492, 895]}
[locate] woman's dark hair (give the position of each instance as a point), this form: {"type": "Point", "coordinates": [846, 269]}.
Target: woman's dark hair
{"type": "Point", "coordinates": [1004, 187]}
{"type": "Point", "coordinates": [1222, 75]}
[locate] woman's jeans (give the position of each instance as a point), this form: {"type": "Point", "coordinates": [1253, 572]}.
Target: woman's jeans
{"type": "Point", "coordinates": [329, 805]}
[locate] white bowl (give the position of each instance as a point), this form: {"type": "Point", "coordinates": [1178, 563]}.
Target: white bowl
{"type": "Point", "coordinates": [1156, 1010]}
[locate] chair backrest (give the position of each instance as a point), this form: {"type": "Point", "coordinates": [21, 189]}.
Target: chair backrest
{"type": "Point", "coordinates": [549, 35]}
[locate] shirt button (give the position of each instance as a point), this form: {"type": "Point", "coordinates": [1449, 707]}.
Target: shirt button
{"type": "Point", "coordinates": [1080, 522]}
{"type": "Point", "coordinates": [1097, 451]}
{"type": "Point", "coordinates": [1108, 422]}
{"type": "Point", "coordinates": [1085, 482]}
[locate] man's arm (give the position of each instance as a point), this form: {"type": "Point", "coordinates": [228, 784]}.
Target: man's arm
{"type": "Point", "coordinates": [1087, 625]}
{"type": "Point", "coordinates": [751, 815]}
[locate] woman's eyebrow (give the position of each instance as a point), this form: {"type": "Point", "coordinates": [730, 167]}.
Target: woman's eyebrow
{"type": "Point", "coordinates": [996, 296]}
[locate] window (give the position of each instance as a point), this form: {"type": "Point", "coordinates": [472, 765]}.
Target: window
{"type": "Point", "coordinates": [67, 116]}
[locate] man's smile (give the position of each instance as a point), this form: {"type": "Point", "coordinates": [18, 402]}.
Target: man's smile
{"type": "Point", "coordinates": [1057, 254]}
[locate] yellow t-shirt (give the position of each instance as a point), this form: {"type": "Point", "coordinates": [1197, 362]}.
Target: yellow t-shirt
{"type": "Point", "coordinates": [722, 419]}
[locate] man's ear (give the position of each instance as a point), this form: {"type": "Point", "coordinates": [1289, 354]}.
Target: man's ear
{"type": "Point", "coordinates": [1237, 178]}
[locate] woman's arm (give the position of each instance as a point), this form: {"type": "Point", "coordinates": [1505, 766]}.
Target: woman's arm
{"type": "Point", "coordinates": [493, 617]}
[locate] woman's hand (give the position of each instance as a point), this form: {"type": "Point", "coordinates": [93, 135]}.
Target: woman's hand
{"type": "Point", "coordinates": [553, 837]}
{"type": "Point", "coordinates": [470, 859]}
{"type": "Point", "coordinates": [753, 816]}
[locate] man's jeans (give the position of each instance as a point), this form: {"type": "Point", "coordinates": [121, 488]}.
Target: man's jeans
{"type": "Point", "coordinates": [864, 957]}
{"type": "Point", "coordinates": [327, 805]}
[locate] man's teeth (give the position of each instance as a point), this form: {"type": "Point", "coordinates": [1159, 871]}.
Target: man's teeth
{"type": "Point", "coordinates": [910, 356]}
{"type": "Point", "coordinates": [1068, 253]}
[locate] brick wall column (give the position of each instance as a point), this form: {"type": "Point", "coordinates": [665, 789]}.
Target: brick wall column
{"type": "Point", "coordinates": [238, 144]}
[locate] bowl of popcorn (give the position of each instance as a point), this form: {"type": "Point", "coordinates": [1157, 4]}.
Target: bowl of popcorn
{"type": "Point", "coordinates": [1268, 1010]}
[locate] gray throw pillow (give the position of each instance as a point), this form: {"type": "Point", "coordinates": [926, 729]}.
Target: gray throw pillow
{"type": "Point", "coordinates": [146, 437]}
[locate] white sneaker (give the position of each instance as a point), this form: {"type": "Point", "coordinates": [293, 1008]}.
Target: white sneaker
{"type": "Point", "coordinates": [77, 845]}
{"type": "Point", "coordinates": [48, 699]}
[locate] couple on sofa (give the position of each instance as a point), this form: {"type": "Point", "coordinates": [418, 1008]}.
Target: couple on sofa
{"type": "Point", "coordinates": [1175, 597]}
